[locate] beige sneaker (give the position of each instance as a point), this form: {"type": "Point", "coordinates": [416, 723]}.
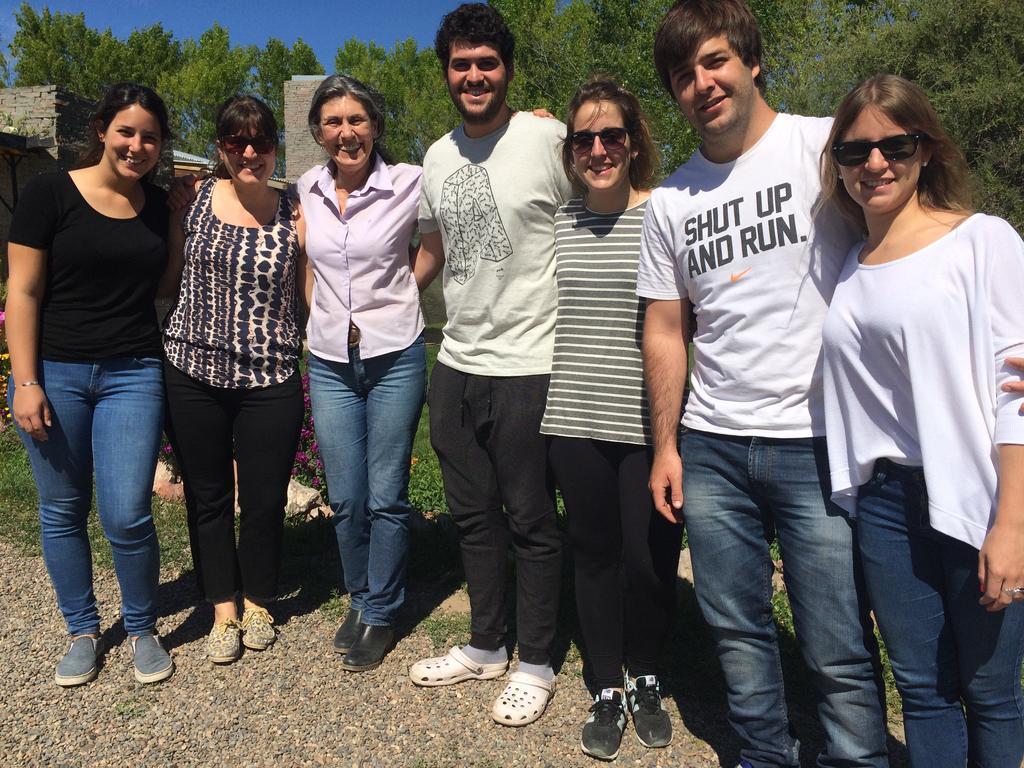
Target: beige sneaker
{"type": "Point", "coordinates": [223, 643]}
{"type": "Point", "coordinates": [258, 628]}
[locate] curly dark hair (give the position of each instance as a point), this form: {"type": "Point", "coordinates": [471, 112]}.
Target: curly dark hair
{"type": "Point", "coordinates": [475, 23]}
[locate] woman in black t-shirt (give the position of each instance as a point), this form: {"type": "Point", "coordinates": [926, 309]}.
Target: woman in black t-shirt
{"type": "Point", "coordinates": [87, 252]}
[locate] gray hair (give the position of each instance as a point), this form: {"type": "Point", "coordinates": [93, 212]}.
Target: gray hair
{"type": "Point", "coordinates": [334, 87]}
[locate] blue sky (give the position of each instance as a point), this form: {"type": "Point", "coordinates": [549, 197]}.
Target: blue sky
{"type": "Point", "coordinates": [322, 24]}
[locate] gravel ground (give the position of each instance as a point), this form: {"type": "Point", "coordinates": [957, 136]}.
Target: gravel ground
{"type": "Point", "coordinates": [289, 706]}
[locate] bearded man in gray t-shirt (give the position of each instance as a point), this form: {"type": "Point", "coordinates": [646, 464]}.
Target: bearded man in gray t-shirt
{"type": "Point", "coordinates": [490, 191]}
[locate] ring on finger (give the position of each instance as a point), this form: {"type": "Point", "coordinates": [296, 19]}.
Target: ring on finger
{"type": "Point", "coordinates": [1015, 591]}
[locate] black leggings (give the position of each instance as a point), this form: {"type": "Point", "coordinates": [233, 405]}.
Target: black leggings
{"type": "Point", "coordinates": [625, 555]}
{"type": "Point", "coordinates": [260, 429]}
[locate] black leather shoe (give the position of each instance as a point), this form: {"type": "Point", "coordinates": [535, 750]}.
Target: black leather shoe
{"type": "Point", "coordinates": [369, 649]}
{"type": "Point", "coordinates": [348, 631]}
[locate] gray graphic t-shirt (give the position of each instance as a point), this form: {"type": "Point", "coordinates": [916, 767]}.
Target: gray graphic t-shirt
{"type": "Point", "coordinates": [494, 201]}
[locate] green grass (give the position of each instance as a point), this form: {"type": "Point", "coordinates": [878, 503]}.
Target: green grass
{"type": "Point", "coordinates": [446, 629]}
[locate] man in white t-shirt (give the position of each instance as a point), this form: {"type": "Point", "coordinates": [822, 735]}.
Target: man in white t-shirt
{"type": "Point", "coordinates": [490, 191]}
{"type": "Point", "coordinates": [734, 234]}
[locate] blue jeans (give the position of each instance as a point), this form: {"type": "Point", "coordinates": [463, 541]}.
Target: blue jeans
{"type": "Point", "coordinates": [947, 652]}
{"type": "Point", "coordinates": [739, 493]}
{"type": "Point", "coordinates": [107, 419]}
{"type": "Point", "coordinates": [365, 413]}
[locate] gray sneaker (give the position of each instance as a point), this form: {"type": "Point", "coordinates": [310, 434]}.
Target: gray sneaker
{"type": "Point", "coordinates": [79, 664]}
{"type": "Point", "coordinates": [152, 662]}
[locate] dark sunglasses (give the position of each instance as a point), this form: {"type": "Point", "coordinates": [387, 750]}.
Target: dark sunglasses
{"type": "Point", "coordinates": [236, 145]}
{"type": "Point", "coordinates": [611, 138]}
{"type": "Point", "coordinates": [891, 147]}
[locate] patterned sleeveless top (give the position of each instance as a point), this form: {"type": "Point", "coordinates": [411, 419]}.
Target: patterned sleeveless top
{"type": "Point", "coordinates": [235, 324]}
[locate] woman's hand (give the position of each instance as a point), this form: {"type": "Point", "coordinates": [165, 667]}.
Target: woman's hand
{"type": "Point", "coordinates": [31, 411]}
{"type": "Point", "coordinates": [1015, 386]}
{"type": "Point", "coordinates": [1001, 559]}
{"type": "Point", "coordinates": [182, 191]}
{"type": "Point", "coordinates": [1001, 567]}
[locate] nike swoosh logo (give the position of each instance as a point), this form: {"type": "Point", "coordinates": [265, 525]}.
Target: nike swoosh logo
{"type": "Point", "coordinates": [736, 276]}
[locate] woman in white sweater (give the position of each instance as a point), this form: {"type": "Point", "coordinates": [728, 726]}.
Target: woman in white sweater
{"type": "Point", "coordinates": [925, 447]}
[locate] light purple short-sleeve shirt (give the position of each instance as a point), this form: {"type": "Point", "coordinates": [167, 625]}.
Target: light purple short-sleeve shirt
{"type": "Point", "coordinates": [360, 261]}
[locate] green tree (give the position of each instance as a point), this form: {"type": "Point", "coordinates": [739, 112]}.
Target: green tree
{"type": "Point", "coordinates": [147, 54]}
{"type": "Point", "coordinates": [968, 55]}
{"type": "Point", "coordinates": [212, 70]}
{"type": "Point", "coordinates": [53, 48]}
{"type": "Point", "coordinates": [274, 64]}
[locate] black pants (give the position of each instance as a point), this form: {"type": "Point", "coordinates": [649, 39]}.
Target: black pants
{"type": "Point", "coordinates": [259, 428]}
{"type": "Point", "coordinates": [486, 432]}
{"type": "Point", "coordinates": [625, 555]}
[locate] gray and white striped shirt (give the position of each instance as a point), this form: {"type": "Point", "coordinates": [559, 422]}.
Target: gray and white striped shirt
{"type": "Point", "coordinates": [597, 389]}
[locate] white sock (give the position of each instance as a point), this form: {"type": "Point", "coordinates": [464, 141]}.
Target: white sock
{"type": "Point", "coordinates": [480, 656]}
{"type": "Point", "coordinates": [543, 671]}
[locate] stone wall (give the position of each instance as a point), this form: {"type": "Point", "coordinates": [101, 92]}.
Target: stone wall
{"type": "Point", "coordinates": [302, 152]}
{"type": "Point", "coordinates": [49, 113]}
{"type": "Point", "coordinates": [56, 119]}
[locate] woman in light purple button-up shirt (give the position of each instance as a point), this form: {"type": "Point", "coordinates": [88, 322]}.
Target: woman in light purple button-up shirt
{"type": "Point", "coordinates": [367, 364]}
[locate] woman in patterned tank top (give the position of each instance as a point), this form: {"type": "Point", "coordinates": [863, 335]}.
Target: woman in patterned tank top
{"type": "Point", "coordinates": [231, 347]}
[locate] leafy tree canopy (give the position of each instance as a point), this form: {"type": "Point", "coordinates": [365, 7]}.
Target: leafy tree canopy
{"type": "Point", "coordinates": [967, 54]}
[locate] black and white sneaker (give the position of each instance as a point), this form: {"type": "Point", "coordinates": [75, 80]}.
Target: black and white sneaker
{"type": "Point", "coordinates": [602, 733]}
{"type": "Point", "coordinates": [650, 720]}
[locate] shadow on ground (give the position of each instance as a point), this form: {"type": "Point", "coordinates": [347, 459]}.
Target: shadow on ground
{"type": "Point", "coordinates": [311, 579]}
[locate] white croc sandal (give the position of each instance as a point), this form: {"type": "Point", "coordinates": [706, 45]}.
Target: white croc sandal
{"type": "Point", "coordinates": [453, 668]}
{"type": "Point", "coordinates": [523, 699]}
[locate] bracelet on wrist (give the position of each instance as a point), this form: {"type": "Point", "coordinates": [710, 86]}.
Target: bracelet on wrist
{"type": "Point", "coordinates": [30, 383]}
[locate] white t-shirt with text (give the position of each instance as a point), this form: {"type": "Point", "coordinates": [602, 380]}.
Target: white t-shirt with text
{"type": "Point", "coordinates": [743, 243]}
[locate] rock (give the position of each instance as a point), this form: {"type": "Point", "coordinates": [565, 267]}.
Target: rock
{"type": "Point", "coordinates": [301, 500]}
{"type": "Point", "coordinates": [166, 485]}
{"type": "Point", "coordinates": [778, 583]}
{"type": "Point", "coordinates": [685, 569]}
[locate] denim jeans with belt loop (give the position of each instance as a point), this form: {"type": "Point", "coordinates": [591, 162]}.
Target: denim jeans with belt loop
{"type": "Point", "coordinates": [365, 413]}
{"type": "Point", "coordinates": [107, 417]}
{"type": "Point", "coordinates": [740, 492]}
{"type": "Point", "coordinates": [957, 666]}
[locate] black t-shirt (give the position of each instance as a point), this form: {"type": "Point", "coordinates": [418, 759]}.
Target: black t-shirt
{"type": "Point", "coordinates": [101, 273]}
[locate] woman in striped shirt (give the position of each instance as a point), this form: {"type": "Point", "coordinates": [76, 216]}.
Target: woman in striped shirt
{"type": "Point", "coordinates": [625, 554]}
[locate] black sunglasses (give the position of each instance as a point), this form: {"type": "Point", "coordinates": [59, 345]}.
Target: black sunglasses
{"type": "Point", "coordinates": [892, 148]}
{"type": "Point", "coordinates": [611, 138]}
{"type": "Point", "coordinates": [236, 145]}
